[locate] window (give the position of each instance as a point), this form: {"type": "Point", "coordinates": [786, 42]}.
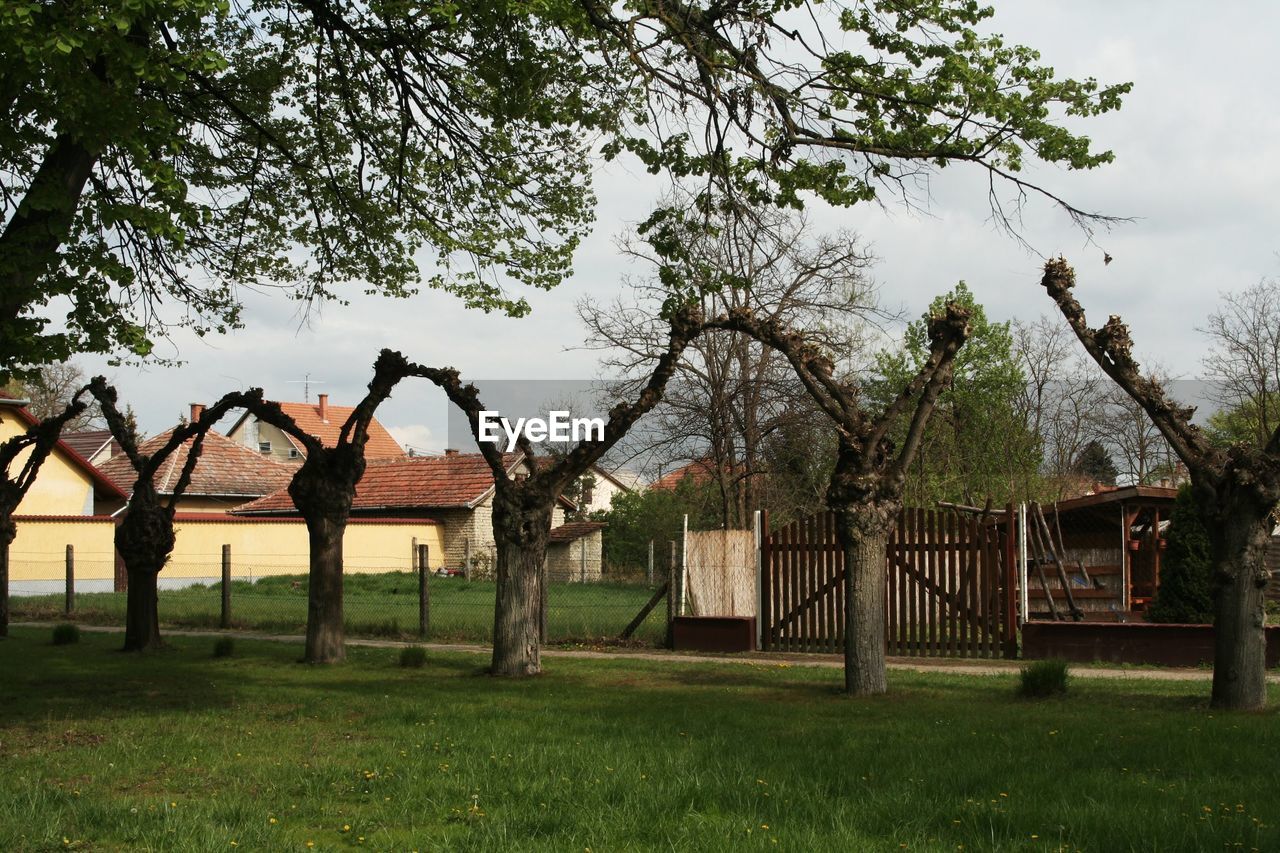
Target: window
{"type": "Point", "coordinates": [294, 454]}
{"type": "Point", "coordinates": [264, 447]}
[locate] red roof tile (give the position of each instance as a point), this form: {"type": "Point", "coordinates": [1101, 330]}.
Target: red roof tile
{"type": "Point", "coordinates": [307, 415]}
{"type": "Point", "coordinates": [421, 482]}
{"type": "Point", "coordinates": [698, 471]}
{"type": "Point", "coordinates": [225, 468]}
{"type": "Point", "coordinates": [89, 441]}
{"type": "Point", "coordinates": [572, 530]}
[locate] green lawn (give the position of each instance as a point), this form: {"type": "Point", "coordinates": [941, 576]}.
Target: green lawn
{"type": "Point", "coordinates": [175, 750]}
{"type": "Point", "coordinates": [384, 605]}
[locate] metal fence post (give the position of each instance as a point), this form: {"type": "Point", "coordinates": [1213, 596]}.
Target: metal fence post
{"type": "Point", "coordinates": [225, 622]}
{"type": "Point", "coordinates": [424, 592]}
{"type": "Point", "coordinates": [71, 579]}
{"type": "Point", "coordinates": [650, 562]}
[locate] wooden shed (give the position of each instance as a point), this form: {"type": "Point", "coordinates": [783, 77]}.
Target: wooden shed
{"type": "Point", "coordinates": [1110, 544]}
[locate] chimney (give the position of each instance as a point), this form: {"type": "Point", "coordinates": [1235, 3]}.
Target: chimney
{"type": "Point", "coordinates": [451, 451]}
{"type": "Point", "coordinates": [324, 407]}
{"type": "Point", "coordinates": [197, 409]}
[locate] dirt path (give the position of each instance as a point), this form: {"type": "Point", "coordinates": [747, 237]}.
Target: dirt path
{"type": "Point", "coordinates": [952, 666]}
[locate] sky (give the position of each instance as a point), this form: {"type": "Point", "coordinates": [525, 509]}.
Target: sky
{"type": "Point", "coordinates": [1197, 147]}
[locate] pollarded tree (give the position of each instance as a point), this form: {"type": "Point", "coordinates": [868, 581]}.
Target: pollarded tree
{"type": "Point", "coordinates": [322, 490]}
{"type": "Point", "coordinates": [865, 491]}
{"type": "Point", "coordinates": [21, 458]}
{"type": "Point", "coordinates": [174, 151]}
{"type": "Point", "coordinates": [522, 508]}
{"type": "Point", "coordinates": [145, 537]}
{"type": "Point", "coordinates": [1237, 491]}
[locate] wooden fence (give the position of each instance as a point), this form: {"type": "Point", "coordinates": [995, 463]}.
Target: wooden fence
{"type": "Point", "coordinates": [951, 581]}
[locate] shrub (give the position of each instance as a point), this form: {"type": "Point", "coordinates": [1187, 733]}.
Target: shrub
{"type": "Point", "coordinates": [413, 656]}
{"type": "Point", "coordinates": [66, 634]}
{"type": "Point", "coordinates": [1186, 577]}
{"type": "Point", "coordinates": [1043, 678]}
{"type": "Point", "coordinates": [224, 647]}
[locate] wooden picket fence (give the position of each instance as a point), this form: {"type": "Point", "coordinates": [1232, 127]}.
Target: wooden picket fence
{"type": "Point", "coordinates": [951, 586]}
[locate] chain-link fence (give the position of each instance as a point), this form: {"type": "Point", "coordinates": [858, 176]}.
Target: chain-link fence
{"type": "Point", "coordinates": [591, 607]}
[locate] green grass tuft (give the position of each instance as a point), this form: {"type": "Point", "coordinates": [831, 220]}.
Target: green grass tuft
{"type": "Point", "coordinates": [1043, 678]}
{"type": "Point", "coordinates": [66, 634]}
{"type": "Point", "coordinates": [224, 647]}
{"type": "Point", "coordinates": [414, 657]}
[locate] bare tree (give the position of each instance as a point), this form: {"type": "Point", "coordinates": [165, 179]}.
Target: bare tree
{"type": "Point", "coordinates": [1063, 399]}
{"type": "Point", "coordinates": [145, 536]}
{"type": "Point", "coordinates": [731, 394]}
{"type": "Point", "coordinates": [21, 458]}
{"type": "Point", "coordinates": [1142, 453]}
{"type": "Point", "coordinates": [522, 508]}
{"type": "Point", "coordinates": [1246, 358]}
{"type": "Point", "coordinates": [865, 491]}
{"type": "Point", "coordinates": [50, 390]}
{"type": "Point", "coordinates": [1237, 491]}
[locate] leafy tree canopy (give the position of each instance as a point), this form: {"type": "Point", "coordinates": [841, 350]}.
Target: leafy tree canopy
{"type": "Point", "coordinates": [158, 155]}
{"type": "Point", "coordinates": [975, 445]}
{"type": "Point", "coordinates": [1243, 424]}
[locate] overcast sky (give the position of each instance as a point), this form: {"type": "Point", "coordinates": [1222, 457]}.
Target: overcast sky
{"type": "Point", "coordinates": [1197, 162]}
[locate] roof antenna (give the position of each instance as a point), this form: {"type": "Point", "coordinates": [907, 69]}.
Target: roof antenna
{"type": "Point", "coordinates": [306, 386]}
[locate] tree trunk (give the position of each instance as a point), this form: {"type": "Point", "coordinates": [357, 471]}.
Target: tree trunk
{"type": "Point", "coordinates": [521, 535]}
{"type": "Point", "coordinates": [324, 592]}
{"type": "Point", "coordinates": [142, 612]}
{"type": "Point", "coordinates": [8, 532]}
{"type": "Point", "coordinates": [1240, 643]}
{"type": "Point", "coordinates": [144, 540]}
{"type": "Point", "coordinates": [863, 539]}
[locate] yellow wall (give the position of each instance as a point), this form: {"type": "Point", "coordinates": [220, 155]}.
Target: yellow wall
{"type": "Point", "coordinates": [257, 548]}
{"type": "Point", "coordinates": [61, 487]}
{"type": "Point", "coordinates": [39, 551]}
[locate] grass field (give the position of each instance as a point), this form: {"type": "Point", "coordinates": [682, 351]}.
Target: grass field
{"type": "Point", "coordinates": [382, 605]}
{"type": "Point", "coordinates": [176, 750]}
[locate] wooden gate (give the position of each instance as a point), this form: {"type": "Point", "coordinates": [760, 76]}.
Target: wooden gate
{"type": "Point", "coordinates": [950, 580]}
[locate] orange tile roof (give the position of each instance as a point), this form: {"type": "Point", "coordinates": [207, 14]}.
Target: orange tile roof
{"type": "Point", "coordinates": [422, 482]}
{"type": "Point", "coordinates": [225, 468]}
{"type": "Point", "coordinates": [307, 415]}
{"type": "Point", "coordinates": [699, 471]}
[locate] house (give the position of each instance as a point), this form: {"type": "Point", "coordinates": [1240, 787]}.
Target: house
{"type": "Point", "coordinates": [697, 472]}
{"type": "Point", "coordinates": [455, 491]}
{"type": "Point", "coordinates": [68, 484]}
{"type": "Point", "coordinates": [320, 419]}
{"type": "Point", "coordinates": [95, 445]}
{"type": "Point", "coordinates": [56, 518]}
{"type": "Point", "coordinates": [598, 487]}
{"type": "Point", "coordinates": [226, 475]}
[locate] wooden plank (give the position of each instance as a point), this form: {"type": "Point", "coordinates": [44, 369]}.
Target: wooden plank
{"type": "Point", "coordinates": [1009, 583]}
{"type": "Point", "coordinates": [644, 611]}
{"type": "Point", "coordinates": [908, 532]}
{"type": "Point", "coordinates": [810, 582]}
{"type": "Point", "coordinates": [766, 623]}
{"type": "Point", "coordinates": [826, 571]}
{"type": "Point", "coordinates": [891, 592]}
{"type": "Point", "coordinates": [953, 584]}
{"type": "Point", "coordinates": [920, 629]}
{"type": "Point", "coordinates": [838, 581]}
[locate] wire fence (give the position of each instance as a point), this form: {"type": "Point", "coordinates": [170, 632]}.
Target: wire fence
{"type": "Point", "coordinates": [447, 607]}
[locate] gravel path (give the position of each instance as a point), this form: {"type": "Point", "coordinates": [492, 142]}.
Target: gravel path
{"type": "Point", "coordinates": [953, 666]}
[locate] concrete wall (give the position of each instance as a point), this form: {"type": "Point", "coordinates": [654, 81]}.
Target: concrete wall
{"type": "Point", "coordinates": [37, 557]}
